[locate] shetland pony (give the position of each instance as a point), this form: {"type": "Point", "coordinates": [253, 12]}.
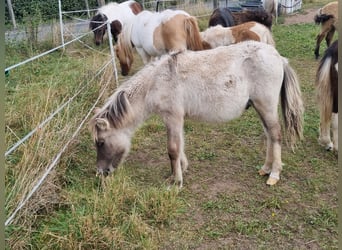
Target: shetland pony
{"type": "Point", "coordinates": [227, 18]}
{"type": "Point", "coordinates": [116, 14]}
{"type": "Point", "coordinates": [327, 96]}
{"type": "Point", "coordinates": [218, 35]}
{"type": "Point", "coordinates": [153, 34]}
{"type": "Point", "coordinates": [215, 85]}
{"type": "Point", "coordinates": [327, 16]}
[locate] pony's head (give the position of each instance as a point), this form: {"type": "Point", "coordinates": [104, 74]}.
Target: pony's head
{"type": "Point", "coordinates": [111, 134]}
{"type": "Point", "coordinates": [124, 52]}
{"type": "Point", "coordinates": [98, 26]}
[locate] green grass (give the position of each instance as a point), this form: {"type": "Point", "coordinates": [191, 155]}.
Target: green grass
{"type": "Point", "coordinates": [224, 204]}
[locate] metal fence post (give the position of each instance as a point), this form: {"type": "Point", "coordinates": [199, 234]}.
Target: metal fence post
{"type": "Point", "coordinates": [61, 21]}
{"type": "Point", "coordinates": [112, 53]}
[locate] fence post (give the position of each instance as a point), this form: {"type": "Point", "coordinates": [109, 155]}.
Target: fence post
{"type": "Point", "coordinates": [10, 9]}
{"type": "Point", "coordinates": [87, 6]}
{"type": "Point", "coordinates": [61, 21]}
{"type": "Point", "coordinates": [112, 52]}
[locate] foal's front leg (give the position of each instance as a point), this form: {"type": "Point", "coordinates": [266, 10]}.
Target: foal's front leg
{"type": "Point", "coordinates": [175, 145]}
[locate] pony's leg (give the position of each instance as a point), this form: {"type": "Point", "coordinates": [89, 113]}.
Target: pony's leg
{"type": "Point", "coordinates": [324, 134]}
{"type": "Point", "coordinates": [184, 161]}
{"type": "Point", "coordinates": [273, 164]}
{"type": "Point", "coordinates": [144, 56]}
{"type": "Point", "coordinates": [175, 145]}
{"type": "Point", "coordinates": [267, 167]}
{"type": "Point", "coordinates": [334, 126]}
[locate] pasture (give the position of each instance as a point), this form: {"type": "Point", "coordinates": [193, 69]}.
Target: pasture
{"type": "Point", "coordinates": [224, 203]}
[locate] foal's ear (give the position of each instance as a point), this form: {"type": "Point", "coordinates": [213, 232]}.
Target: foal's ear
{"type": "Point", "coordinates": [102, 123]}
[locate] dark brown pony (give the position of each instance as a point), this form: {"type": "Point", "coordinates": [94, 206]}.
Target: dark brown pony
{"type": "Point", "coordinates": [327, 16]}
{"type": "Point", "coordinates": [227, 18]}
{"type": "Point", "coordinates": [327, 96]}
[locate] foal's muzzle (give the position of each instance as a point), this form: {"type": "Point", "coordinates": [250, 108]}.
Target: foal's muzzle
{"type": "Point", "coordinates": [104, 171]}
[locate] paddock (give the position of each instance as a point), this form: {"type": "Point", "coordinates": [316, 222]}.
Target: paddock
{"type": "Point", "coordinates": [224, 203]}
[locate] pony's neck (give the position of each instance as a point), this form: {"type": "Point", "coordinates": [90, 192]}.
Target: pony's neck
{"type": "Point", "coordinates": [136, 96]}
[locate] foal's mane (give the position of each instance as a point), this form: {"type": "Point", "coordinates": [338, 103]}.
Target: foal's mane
{"type": "Point", "coordinates": [117, 111]}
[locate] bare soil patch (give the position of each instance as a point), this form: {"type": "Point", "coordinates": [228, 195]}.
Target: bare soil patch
{"type": "Point", "coordinates": [306, 16]}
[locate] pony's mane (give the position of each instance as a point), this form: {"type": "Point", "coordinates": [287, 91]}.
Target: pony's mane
{"type": "Point", "coordinates": [124, 40]}
{"type": "Point", "coordinates": [117, 111]}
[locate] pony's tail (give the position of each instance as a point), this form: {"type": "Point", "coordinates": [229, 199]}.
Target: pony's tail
{"type": "Point", "coordinates": [323, 88]}
{"type": "Point", "coordinates": [193, 37]}
{"type": "Point", "coordinates": [292, 104]}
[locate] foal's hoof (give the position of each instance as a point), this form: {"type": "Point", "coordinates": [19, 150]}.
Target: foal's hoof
{"type": "Point", "coordinates": [271, 181]}
{"type": "Point", "coordinates": [262, 172]}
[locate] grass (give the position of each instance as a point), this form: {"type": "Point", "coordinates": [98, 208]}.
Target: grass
{"type": "Point", "coordinates": [224, 204]}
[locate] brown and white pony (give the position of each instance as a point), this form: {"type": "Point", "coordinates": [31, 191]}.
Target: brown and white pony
{"type": "Point", "coordinates": [218, 35]}
{"type": "Point", "coordinates": [226, 18]}
{"type": "Point", "coordinates": [117, 14]}
{"type": "Point", "coordinates": [327, 96]}
{"type": "Point", "coordinates": [215, 85]}
{"type": "Point", "coordinates": [327, 16]}
{"type": "Point", "coordinates": [153, 34]}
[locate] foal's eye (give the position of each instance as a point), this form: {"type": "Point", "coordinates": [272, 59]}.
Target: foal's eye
{"type": "Point", "coordinates": [100, 143]}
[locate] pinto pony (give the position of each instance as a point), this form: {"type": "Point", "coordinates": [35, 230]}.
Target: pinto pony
{"type": "Point", "coordinates": [153, 34]}
{"type": "Point", "coordinates": [227, 18]}
{"type": "Point", "coordinates": [218, 35]}
{"type": "Point", "coordinates": [327, 16]}
{"type": "Point", "coordinates": [117, 14]}
{"type": "Point", "coordinates": [194, 85]}
{"type": "Point", "coordinates": [327, 96]}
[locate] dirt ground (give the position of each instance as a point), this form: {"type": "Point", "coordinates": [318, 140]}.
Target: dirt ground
{"type": "Point", "coordinates": [301, 17]}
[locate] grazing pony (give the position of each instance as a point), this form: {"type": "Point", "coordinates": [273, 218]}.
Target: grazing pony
{"type": "Point", "coordinates": [218, 35]}
{"type": "Point", "coordinates": [153, 34]}
{"type": "Point", "coordinates": [215, 85]}
{"type": "Point", "coordinates": [271, 6]}
{"type": "Point", "coordinates": [327, 16]}
{"type": "Point", "coordinates": [117, 14]}
{"type": "Point", "coordinates": [327, 96]}
{"type": "Point", "coordinates": [227, 18]}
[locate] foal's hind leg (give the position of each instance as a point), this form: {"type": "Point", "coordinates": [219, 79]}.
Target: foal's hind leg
{"type": "Point", "coordinates": [175, 146]}
{"type": "Point", "coordinates": [273, 164]}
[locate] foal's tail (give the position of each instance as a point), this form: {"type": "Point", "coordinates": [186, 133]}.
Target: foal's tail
{"type": "Point", "coordinates": [292, 104]}
{"type": "Point", "coordinates": [193, 37]}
